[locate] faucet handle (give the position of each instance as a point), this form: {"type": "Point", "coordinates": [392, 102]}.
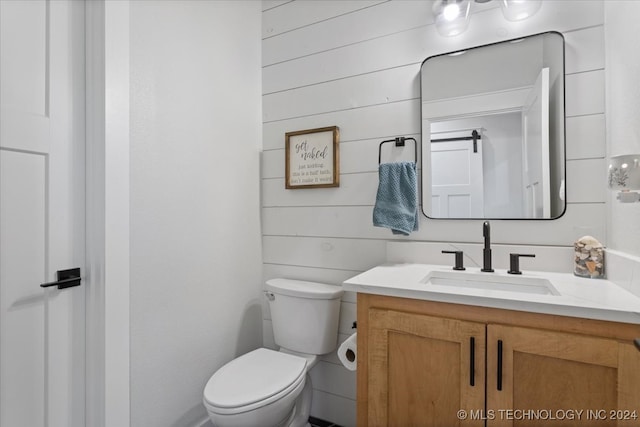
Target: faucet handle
{"type": "Point", "coordinates": [459, 260]}
{"type": "Point", "coordinates": [514, 262]}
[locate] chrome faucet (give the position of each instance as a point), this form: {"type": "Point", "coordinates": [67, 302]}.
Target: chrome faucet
{"type": "Point", "coordinates": [486, 252]}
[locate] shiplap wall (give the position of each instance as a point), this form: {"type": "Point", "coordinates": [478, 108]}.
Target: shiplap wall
{"type": "Point", "coordinates": [355, 64]}
{"type": "Point", "coordinates": [623, 115]}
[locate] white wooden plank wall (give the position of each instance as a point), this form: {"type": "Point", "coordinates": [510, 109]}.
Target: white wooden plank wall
{"type": "Point", "coordinates": [356, 64]}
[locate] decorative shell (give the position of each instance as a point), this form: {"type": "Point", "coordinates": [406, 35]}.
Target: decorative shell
{"type": "Point", "coordinates": [589, 258]}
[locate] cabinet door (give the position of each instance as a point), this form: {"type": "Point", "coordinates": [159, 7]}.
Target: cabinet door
{"type": "Point", "coordinates": [557, 379]}
{"type": "Point", "coordinates": [422, 370]}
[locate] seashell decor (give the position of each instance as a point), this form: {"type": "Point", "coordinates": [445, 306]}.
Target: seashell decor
{"type": "Point", "coordinates": [589, 258]}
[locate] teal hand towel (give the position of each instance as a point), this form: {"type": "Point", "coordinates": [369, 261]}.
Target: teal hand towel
{"type": "Point", "coordinates": [397, 199]}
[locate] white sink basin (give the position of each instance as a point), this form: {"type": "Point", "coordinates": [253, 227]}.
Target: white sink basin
{"type": "Point", "coordinates": [490, 281]}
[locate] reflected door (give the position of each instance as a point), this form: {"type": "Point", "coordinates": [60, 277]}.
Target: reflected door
{"type": "Point", "coordinates": [457, 189]}
{"type": "Point", "coordinates": [535, 125]}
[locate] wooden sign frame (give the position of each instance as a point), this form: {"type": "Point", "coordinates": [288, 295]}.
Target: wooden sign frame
{"type": "Point", "coordinates": [312, 158]}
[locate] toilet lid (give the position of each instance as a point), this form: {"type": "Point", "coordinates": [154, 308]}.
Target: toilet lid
{"type": "Point", "coordinates": [253, 377]}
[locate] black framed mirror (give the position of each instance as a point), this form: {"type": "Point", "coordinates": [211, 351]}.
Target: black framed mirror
{"type": "Point", "coordinates": [493, 131]}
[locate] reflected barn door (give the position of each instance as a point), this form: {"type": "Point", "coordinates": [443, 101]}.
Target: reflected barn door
{"type": "Point", "coordinates": [42, 220]}
{"type": "Point", "coordinates": [457, 189]}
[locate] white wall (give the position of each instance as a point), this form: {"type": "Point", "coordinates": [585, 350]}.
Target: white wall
{"type": "Point", "coordinates": [623, 113]}
{"type": "Point", "coordinates": [195, 228]}
{"type": "Point", "coordinates": [356, 65]}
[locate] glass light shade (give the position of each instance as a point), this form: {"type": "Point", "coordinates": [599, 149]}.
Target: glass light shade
{"type": "Point", "coordinates": [624, 175]}
{"type": "Point", "coordinates": [452, 16]}
{"type": "Point", "coordinates": [517, 10]}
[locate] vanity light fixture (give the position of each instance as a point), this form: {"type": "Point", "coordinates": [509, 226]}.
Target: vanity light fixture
{"type": "Point", "coordinates": [624, 176]}
{"type": "Point", "coordinates": [518, 10]}
{"type": "Point", "coordinates": [452, 16]}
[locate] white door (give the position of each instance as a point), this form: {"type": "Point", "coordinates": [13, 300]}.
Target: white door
{"type": "Point", "coordinates": [535, 131]}
{"type": "Point", "coordinates": [457, 189]}
{"type": "Point", "coordinates": [42, 105]}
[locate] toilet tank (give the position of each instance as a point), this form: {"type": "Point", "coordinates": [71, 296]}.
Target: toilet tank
{"type": "Point", "coordinates": [305, 315]}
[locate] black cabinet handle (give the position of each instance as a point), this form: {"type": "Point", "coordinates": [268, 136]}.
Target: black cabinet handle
{"type": "Point", "coordinates": [499, 365]}
{"type": "Point", "coordinates": [472, 362]}
{"type": "Point", "coordinates": [637, 343]}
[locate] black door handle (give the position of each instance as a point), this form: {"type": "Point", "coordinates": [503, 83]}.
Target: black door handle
{"type": "Point", "coordinates": [66, 279]}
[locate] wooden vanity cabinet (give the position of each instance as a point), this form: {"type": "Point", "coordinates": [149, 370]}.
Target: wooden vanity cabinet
{"type": "Point", "coordinates": [555, 374]}
{"type": "Point", "coordinates": [421, 362]}
{"type": "Point", "coordinates": [419, 368]}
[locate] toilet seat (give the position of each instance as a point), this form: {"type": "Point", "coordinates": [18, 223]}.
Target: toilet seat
{"type": "Point", "coordinates": [254, 380]}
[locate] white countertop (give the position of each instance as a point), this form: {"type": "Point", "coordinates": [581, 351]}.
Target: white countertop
{"type": "Point", "coordinates": [578, 297]}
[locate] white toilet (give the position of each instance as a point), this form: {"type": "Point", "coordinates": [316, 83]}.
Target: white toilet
{"type": "Point", "coordinates": [272, 388]}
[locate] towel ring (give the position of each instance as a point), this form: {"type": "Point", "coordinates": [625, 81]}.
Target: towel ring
{"type": "Point", "coordinates": [399, 140]}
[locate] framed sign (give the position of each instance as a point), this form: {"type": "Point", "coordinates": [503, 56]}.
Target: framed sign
{"type": "Point", "coordinates": [312, 158]}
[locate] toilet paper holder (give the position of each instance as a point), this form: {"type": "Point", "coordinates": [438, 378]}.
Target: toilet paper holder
{"type": "Point", "coordinates": [351, 356]}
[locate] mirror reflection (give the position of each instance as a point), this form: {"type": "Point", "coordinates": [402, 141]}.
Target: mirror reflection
{"type": "Point", "coordinates": [493, 131]}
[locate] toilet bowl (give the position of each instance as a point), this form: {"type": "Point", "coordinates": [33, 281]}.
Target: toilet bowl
{"type": "Point", "coordinates": [258, 388]}
{"type": "Point", "coordinates": [272, 388]}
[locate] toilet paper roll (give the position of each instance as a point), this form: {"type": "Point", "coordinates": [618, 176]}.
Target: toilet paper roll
{"type": "Point", "coordinates": [348, 352]}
